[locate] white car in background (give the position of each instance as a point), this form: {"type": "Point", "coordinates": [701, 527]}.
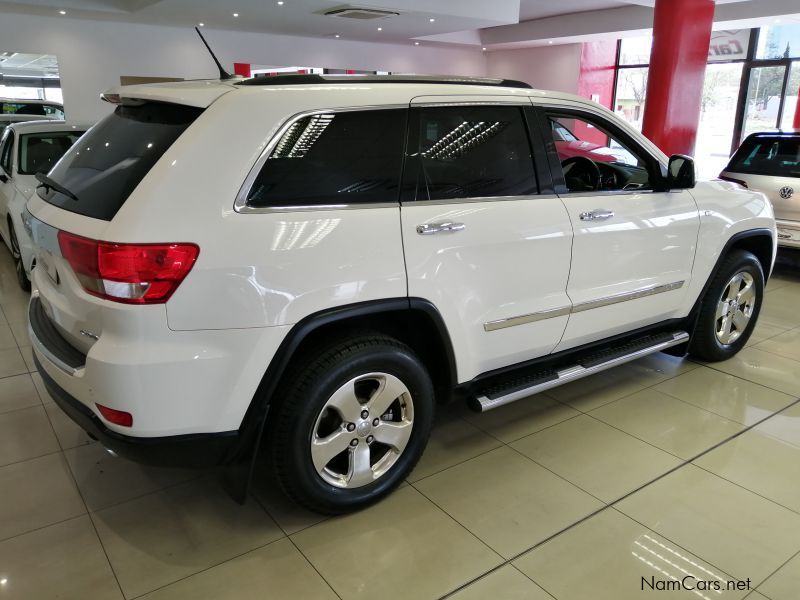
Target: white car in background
{"type": "Point", "coordinates": [27, 149]}
{"type": "Point", "coordinates": [770, 162]}
{"type": "Point", "coordinates": [15, 110]}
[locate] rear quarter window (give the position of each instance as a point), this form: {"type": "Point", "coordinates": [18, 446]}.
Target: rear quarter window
{"type": "Point", "coordinates": [104, 167]}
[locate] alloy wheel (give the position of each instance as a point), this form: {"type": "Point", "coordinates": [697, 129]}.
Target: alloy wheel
{"type": "Point", "coordinates": [362, 430]}
{"type": "Point", "coordinates": [735, 308]}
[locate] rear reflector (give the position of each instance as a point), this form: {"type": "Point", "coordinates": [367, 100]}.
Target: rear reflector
{"type": "Point", "coordinates": [128, 273]}
{"type": "Point", "coordinates": [732, 180]}
{"type": "Point", "coordinates": [117, 417]}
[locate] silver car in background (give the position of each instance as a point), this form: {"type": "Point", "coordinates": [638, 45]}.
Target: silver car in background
{"type": "Point", "coordinates": [770, 163]}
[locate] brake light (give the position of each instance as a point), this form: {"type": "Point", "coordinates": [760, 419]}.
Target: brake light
{"type": "Point", "coordinates": [118, 417]}
{"type": "Point", "coordinates": [732, 180]}
{"type": "Point", "coordinates": [128, 273]}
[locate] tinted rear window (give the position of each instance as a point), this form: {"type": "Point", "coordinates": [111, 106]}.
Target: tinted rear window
{"type": "Point", "coordinates": [768, 155]}
{"type": "Point", "coordinates": [107, 164]}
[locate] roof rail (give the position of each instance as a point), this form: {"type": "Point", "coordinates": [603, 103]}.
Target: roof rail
{"type": "Point", "coordinates": [338, 79]}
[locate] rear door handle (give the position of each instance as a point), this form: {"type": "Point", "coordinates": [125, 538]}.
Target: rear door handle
{"type": "Point", "coordinates": [448, 227]}
{"type": "Point", "coordinates": [598, 214]}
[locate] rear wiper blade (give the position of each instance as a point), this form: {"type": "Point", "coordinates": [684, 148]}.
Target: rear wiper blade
{"type": "Point", "coordinates": [46, 182]}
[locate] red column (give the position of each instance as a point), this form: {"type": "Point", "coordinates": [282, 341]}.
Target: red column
{"type": "Point", "coordinates": [681, 36]}
{"type": "Point", "coordinates": [796, 123]}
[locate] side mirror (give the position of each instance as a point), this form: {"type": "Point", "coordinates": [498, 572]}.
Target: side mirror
{"type": "Point", "coordinates": [681, 174]}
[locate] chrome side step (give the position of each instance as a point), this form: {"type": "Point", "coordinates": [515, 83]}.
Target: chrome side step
{"type": "Point", "coordinates": [575, 372]}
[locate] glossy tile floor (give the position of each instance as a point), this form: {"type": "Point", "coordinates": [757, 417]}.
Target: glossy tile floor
{"type": "Point", "coordinates": [641, 476]}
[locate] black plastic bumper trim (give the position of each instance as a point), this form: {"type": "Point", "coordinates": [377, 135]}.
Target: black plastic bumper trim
{"type": "Point", "coordinates": [193, 450]}
{"type": "Point", "coordinates": [51, 339]}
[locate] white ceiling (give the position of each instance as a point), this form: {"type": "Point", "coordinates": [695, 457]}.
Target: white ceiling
{"type": "Point", "coordinates": [429, 21]}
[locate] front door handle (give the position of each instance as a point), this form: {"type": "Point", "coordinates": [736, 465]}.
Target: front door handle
{"type": "Point", "coordinates": [598, 214]}
{"type": "Point", "coordinates": [448, 227]}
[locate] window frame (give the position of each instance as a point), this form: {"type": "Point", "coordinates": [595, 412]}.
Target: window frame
{"type": "Point", "coordinates": [7, 148]}
{"type": "Point", "coordinates": [541, 170]}
{"type": "Point", "coordinates": [241, 205]}
{"type": "Point", "coordinates": [654, 166]}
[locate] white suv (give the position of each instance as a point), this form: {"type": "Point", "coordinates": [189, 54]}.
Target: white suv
{"type": "Point", "coordinates": [312, 262]}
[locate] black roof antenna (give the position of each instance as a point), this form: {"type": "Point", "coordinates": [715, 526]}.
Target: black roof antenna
{"type": "Point", "coordinates": [223, 74]}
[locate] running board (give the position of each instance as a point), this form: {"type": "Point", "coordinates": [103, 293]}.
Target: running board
{"type": "Point", "coordinates": [583, 368]}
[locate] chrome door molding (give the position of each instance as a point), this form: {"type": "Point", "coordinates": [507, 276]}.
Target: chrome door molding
{"type": "Point", "coordinates": [529, 318]}
{"type": "Point", "coordinates": [583, 306]}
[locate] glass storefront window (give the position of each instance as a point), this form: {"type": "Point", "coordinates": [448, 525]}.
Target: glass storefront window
{"type": "Point", "coordinates": [790, 105]}
{"type": "Point", "coordinates": [635, 50]}
{"type": "Point", "coordinates": [630, 97]}
{"type": "Point", "coordinates": [779, 41]}
{"type": "Point", "coordinates": [717, 118]}
{"type": "Point", "coordinates": [763, 99]}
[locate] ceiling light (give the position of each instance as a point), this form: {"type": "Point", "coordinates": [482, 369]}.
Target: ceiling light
{"type": "Point", "coordinates": [337, 36]}
{"type": "Point", "coordinates": [202, 24]}
{"type": "Point", "coordinates": [280, 2]}
{"type": "Point", "coordinates": [235, 14]}
{"type": "Point", "coordinates": [380, 28]}
{"type": "Point", "coordinates": [484, 49]}
{"type": "Point", "coordinates": [416, 43]}
{"type": "Point", "coordinates": [550, 42]}
{"type": "Point", "coordinates": [432, 20]}
{"type": "Point", "coordinates": [62, 12]}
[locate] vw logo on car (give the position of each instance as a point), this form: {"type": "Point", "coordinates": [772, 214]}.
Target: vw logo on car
{"type": "Point", "coordinates": [786, 192]}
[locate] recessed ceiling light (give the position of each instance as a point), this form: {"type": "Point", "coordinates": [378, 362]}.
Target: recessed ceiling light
{"type": "Point", "coordinates": [380, 28]}
{"type": "Point", "coordinates": [432, 20]}
{"type": "Point", "coordinates": [62, 12]}
{"type": "Point", "coordinates": [484, 49]}
{"type": "Point", "coordinates": [235, 14]}
{"type": "Point", "coordinates": [337, 36]}
{"type": "Point", "coordinates": [416, 43]}
{"type": "Point", "coordinates": [202, 24]}
{"type": "Point", "coordinates": [280, 2]}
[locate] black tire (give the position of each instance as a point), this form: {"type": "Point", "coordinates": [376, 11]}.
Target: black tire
{"type": "Point", "coordinates": [19, 267]}
{"type": "Point", "coordinates": [706, 344]}
{"type": "Point", "coordinates": [302, 407]}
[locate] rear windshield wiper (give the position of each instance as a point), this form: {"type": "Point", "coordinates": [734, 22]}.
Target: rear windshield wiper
{"type": "Point", "coordinates": [46, 182]}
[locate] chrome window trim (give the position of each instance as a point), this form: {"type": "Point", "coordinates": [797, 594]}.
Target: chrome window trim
{"type": "Point", "coordinates": [471, 200]}
{"type": "Point", "coordinates": [583, 306]}
{"type": "Point", "coordinates": [240, 204]}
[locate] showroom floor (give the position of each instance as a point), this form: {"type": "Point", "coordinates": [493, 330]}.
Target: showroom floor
{"type": "Point", "coordinates": [638, 476]}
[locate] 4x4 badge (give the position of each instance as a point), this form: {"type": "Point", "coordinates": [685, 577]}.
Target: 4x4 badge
{"type": "Point", "coordinates": [786, 192]}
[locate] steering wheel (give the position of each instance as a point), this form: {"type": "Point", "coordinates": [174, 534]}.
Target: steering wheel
{"type": "Point", "coordinates": [581, 174]}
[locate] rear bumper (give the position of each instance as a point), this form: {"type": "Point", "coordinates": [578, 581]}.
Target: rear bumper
{"type": "Point", "coordinates": [195, 450]}
{"type": "Point", "coordinates": [788, 233]}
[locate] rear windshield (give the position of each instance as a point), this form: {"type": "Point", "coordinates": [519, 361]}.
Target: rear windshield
{"type": "Point", "coordinates": [768, 155]}
{"type": "Point", "coordinates": [107, 163]}
{"type": "Point", "coordinates": [39, 152]}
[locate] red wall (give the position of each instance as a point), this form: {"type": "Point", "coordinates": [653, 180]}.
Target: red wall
{"type": "Point", "coordinates": [598, 63]}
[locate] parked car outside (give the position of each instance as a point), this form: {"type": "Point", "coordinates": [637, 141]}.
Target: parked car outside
{"type": "Point", "coordinates": [313, 263]}
{"type": "Point", "coordinates": [770, 163]}
{"type": "Point", "coordinates": [26, 149]}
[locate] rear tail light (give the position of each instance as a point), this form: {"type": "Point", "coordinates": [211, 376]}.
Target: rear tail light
{"type": "Point", "coordinates": [128, 273]}
{"type": "Point", "coordinates": [732, 180]}
{"type": "Point", "coordinates": [117, 417]}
